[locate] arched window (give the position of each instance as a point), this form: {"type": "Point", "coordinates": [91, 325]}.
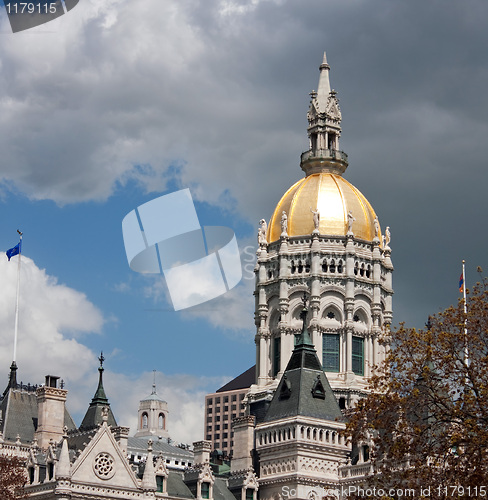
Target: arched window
{"type": "Point", "coordinates": [332, 266]}
{"type": "Point", "coordinates": [324, 266]}
{"type": "Point", "coordinates": [276, 355]}
{"type": "Point", "coordinates": [358, 355]}
{"type": "Point", "coordinates": [340, 267]}
{"type": "Point", "coordinates": [300, 266]}
{"type": "Point", "coordinates": [293, 268]}
{"type": "Point", "coordinates": [144, 420]}
{"type": "Point", "coordinates": [330, 352]}
{"type": "Point", "coordinates": [161, 421]}
{"type": "Point", "coordinates": [368, 271]}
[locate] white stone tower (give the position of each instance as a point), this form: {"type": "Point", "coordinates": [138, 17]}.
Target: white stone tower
{"type": "Point", "coordinates": [152, 416]}
{"type": "Point", "coordinates": [324, 240]}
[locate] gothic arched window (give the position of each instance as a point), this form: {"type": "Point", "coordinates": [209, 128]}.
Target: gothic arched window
{"type": "Point", "coordinates": [144, 420]}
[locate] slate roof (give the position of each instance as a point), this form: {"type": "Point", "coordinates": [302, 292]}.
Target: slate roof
{"type": "Point", "coordinates": [221, 491]}
{"type": "Point", "coordinates": [139, 445]}
{"type": "Point", "coordinates": [177, 487]}
{"type": "Point", "coordinates": [19, 414]}
{"type": "Point", "coordinates": [93, 416]}
{"type": "Point", "coordinates": [304, 389]}
{"type": "Point", "coordinates": [242, 381]}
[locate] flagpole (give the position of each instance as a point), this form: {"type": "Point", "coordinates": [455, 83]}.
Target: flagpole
{"type": "Point", "coordinates": [17, 300]}
{"type": "Point", "coordinates": [466, 357]}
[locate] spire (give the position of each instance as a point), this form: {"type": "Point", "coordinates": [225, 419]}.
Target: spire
{"type": "Point", "coordinates": [303, 339]}
{"type": "Point", "coordinates": [12, 379]}
{"type": "Point", "coordinates": [63, 465]}
{"type": "Point", "coordinates": [304, 389]}
{"type": "Point", "coordinates": [154, 383]}
{"type": "Point", "coordinates": [323, 91]}
{"type": "Point", "coordinates": [149, 477]}
{"type": "Point", "coordinates": [100, 396]}
{"type": "Point", "coordinates": [324, 129]}
{"type": "Point", "coordinates": [93, 417]}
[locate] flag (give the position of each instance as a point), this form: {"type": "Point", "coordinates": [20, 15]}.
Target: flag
{"type": "Point", "coordinates": [461, 283]}
{"type": "Point", "coordinates": [14, 251]}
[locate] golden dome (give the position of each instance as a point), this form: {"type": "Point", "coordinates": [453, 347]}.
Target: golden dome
{"type": "Point", "coordinates": [334, 197]}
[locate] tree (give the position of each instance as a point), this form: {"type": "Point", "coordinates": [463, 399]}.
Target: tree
{"type": "Point", "coordinates": [426, 419]}
{"type": "Point", "coordinates": [12, 478]}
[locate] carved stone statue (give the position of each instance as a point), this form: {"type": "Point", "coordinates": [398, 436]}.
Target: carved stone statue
{"type": "Point", "coordinates": [284, 224]}
{"type": "Point", "coordinates": [262, 232]}
{"type": "Point", "coordinates": [376, 227]}
{"type": "Point", "coordinates": [316, 219]}
{"type": "Point", "coordinates": [387, 236]}
{"type": "Point", "coordinates": [350, 220]}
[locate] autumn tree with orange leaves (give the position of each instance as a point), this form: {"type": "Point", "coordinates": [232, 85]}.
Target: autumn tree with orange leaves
{"type": "Point", "coordinates": [426, 419]}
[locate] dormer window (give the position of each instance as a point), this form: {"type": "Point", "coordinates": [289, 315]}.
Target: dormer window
{"type": "Point", "coordinates": [205, 490]}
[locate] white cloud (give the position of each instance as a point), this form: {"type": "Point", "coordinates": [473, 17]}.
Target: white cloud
{"type": "Point", "coordinates": [51, 320]}
{"type": "Point", "coordinates": [115, 91]}
{"type": "Point", "coordinates": [52, 317]}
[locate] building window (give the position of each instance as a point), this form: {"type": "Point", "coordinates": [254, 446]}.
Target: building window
{"type": "Point", "coordinates": [144, 421]}
{"type": "Point", "coordinates": [249, 494]}
{"type": "Point", "coordinates": [205, 490]}
{"type": "Point", "coordinates": [161, 421]}
{"type": "Point", "coordinates": [159, 483]}
{"type": "Point", "coordinates": [330, 352]}
{"type": "Point", "coordinates": [276, 355]}
{"type": "Point", "coordinates": [234, 397]}
{"type": "Point", "coordinates": [358, 355]}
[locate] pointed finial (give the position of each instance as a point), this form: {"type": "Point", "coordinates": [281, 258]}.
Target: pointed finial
{"type": "Point", "coordinates": [101, 359]}
{"type": "Point", "coordinates": [154, 382]}
{"type": "Point", "coordinates": [324, 64]}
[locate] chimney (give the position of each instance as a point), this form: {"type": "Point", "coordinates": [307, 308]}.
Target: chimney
{"type": "Point", "coordinates": [50, 412]}
{"type": "Point", "coordinates": [201, 452]}
{"type": "Point", "coordinates": [243, 442]}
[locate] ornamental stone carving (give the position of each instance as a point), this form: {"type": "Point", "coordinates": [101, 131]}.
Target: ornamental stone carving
{"type": "Point", "coordinates": [103, 466]}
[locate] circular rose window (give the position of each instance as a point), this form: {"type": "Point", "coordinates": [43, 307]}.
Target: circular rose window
{"type": "Point", "coordinates": [104, 466]}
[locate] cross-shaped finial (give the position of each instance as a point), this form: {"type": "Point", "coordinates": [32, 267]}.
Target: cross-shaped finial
{"type": "Point", "coordinates": [101, 359]}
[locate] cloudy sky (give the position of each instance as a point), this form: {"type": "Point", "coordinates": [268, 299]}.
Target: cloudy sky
{"type": "Point", "coordinates": [119, 101]}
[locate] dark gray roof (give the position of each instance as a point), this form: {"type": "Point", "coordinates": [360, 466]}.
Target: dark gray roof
{"type": "Point", "coordinates": [177, 487]}
{"type": "Point", "coordinates": [242, 381]}
{"type": "Point", "coordinates": [139, 445]}
{"type": "Point", "coordinates": [93, 416]}
{"type": "Point", "coordinates": [304, 389]}
{"type": "Point", "coordinates": [19, 415]}
{"type": "Point", "coordinates": [221, 491]}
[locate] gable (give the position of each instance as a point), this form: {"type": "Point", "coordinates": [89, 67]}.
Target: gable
{"type": "Point", "coordinates": [102, 463]}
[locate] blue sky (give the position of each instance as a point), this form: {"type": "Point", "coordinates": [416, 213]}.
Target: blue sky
{"type": "Point", "coordinates": [110, 106]}
{"type": "Point", "coordinates": [82, 245]}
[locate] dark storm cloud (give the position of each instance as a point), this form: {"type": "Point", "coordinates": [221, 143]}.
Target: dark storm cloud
{"type": "Point", "coordinates": [221, 88]}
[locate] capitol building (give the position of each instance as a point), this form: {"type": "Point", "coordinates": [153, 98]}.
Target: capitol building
{"type": "Point", "coordinates": [323, 298]}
